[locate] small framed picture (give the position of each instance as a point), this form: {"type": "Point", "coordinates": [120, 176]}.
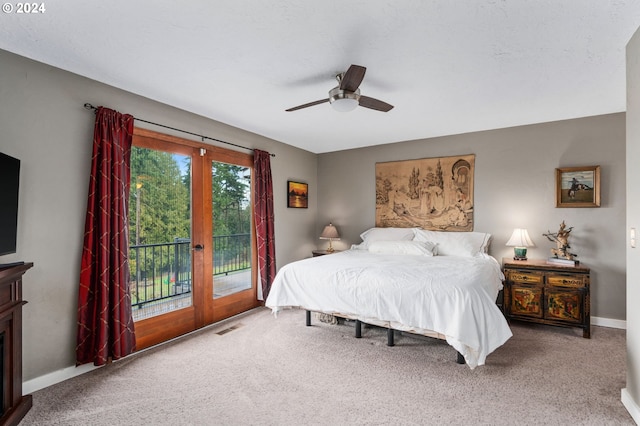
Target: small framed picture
{"type": "Point", "coordinates": [578, 187]}
{"type": "Point", "coordinates": [297, 195]}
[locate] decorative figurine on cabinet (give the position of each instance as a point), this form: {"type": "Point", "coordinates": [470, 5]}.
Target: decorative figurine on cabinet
{"type": "Point", "coordinates": [561, 238]}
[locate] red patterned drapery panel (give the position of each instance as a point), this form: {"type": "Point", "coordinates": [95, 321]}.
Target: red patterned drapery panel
{"type": "Point", "coordinates": [105, 322]}
{"type": "Point", "coordinates": [263, 217]}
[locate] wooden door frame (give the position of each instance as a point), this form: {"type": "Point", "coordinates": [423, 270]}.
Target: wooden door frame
{"type": "Point", "coordinates": [241, 301]}
{"type": "Point", "coordinates": [154, 330]}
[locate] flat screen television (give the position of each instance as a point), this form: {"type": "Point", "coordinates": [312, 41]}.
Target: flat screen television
{"type": "Point", "coordinates": [9, 185]}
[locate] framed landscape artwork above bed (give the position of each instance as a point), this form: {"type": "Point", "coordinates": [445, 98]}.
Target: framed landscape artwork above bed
{"type": "Point", "coordinates": [431, 193]}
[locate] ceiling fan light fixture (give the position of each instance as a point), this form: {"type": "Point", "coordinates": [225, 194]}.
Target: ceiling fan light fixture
{"type": "Point", "coordinates": [344, 104]}
{"type": "Point", "coordinates": [344, 101]}
{"type": "Point", "coordinates": [346, 96]}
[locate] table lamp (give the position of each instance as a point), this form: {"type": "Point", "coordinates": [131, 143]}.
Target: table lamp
{"type": "Point", "coordinates": [520, 241]}
{"type": "Point", "coordinates": [330, 233]}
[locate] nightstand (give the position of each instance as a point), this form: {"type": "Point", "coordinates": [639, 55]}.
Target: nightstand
{"type": "Point", "coordinates": [317, 253]}
{"type": "Point", "coordinates": [545, 293]}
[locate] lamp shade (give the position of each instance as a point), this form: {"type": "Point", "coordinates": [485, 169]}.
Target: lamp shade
{"type": "Point", "coordinates": [520, 241]}
{"type": "Point", "coordinates": [330, 233]}
{"type": "Point", "coordinates": [520, 238]}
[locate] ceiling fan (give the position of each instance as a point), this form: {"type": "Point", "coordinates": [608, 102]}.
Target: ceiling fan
{"type": "Point", "coordinates": [346, 95]}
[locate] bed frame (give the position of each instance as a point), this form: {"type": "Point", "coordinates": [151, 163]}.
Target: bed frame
{"type": "Point", "coordinates": [390, 330]}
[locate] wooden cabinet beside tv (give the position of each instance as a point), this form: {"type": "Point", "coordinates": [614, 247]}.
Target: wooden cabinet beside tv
{"type": "Point", "coordinates": [14, 404]}
{"type": "Point", "coordinates": [544, 293]}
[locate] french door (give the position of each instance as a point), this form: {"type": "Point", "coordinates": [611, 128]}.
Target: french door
{"type": "Point", "coordinates": [192, 246]}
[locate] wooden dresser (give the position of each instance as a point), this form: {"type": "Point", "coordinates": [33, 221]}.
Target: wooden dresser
{"type": "Point", "coordinates": [545, 293]}
{"type": "Point", "coordinates": [317, 253]}
{"type": "Point", "coordinates": [14, 404]}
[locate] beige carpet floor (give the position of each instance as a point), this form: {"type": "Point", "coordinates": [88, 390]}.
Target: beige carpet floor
{"type": "Point", "coordinates": [259, 370]}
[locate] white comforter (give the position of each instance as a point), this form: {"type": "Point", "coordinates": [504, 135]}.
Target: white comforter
{"type": "Point", "coordinates": [454, 296]}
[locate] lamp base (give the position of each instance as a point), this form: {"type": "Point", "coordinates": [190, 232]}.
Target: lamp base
{"type": "Point", "coordinates": [519, 253]}
{"type": "Point", "coordinates": [330, 249]}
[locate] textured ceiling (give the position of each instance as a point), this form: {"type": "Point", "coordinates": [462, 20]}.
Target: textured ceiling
{"type": "Point", "coordinates": [448, 67]}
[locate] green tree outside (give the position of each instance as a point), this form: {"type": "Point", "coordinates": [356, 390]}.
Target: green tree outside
{"type": "Point", "coordinates": [159, 198]}
{"type": "Point", "coordinates": [159, 214]}
{"type": "Point", "coordinates": [231, 212]}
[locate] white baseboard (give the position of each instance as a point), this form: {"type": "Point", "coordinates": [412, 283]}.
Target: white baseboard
{"type": "Point", "coordinates": [50, 379]}
{"type": "Point", "coordinates": [630, 405]}
{"type": "Point", "coordinates": [608, 322]}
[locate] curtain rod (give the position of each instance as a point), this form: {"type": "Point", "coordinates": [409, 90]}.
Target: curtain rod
{"type": "Point", "coordinates": [91, 107]}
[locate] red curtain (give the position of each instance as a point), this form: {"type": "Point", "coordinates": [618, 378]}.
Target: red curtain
{"type": "Point", "coordinates": [105, 323]}
{"type": "Point", "coordinates": [263, 217]}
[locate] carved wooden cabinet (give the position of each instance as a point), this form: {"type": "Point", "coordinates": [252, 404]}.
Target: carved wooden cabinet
{"type": "Point", "coordinates": [537, 291]}
{"type": "Point", "coordinates": [14, 404]}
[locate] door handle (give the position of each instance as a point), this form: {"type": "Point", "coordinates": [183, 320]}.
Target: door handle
{"type": "Point", "coordinates": [198, 247]}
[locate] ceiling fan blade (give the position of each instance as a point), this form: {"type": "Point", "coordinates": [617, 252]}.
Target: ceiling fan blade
{"type": "Point", "coordinates": [352, 78]}
{"type": "Point", "coordinates": [376, 104]}
{"type": "Point", "coordinates": [310, 104]}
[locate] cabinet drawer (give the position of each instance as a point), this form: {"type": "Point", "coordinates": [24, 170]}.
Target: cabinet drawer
{"type": "Point", "coordinates": [560, 280]}
{"type": "Point", "coordinates": [529, 277]}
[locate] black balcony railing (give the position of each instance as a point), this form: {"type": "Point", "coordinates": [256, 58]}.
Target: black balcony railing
{"type": "Point", "coordinates": [163, 271]}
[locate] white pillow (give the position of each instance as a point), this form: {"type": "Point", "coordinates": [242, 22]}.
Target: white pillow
{"type": "Point", "coordinates": [387, 234]}
{"type": "Point", "coordinates": [402, 247]}
{"type": "Point", "coordinates": [468, 244]}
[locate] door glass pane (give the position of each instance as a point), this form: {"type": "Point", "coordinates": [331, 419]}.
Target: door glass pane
{"type": "Point", "coordinates": [231, 228]}
{"type": "Point", "coordinates": [159, 232]}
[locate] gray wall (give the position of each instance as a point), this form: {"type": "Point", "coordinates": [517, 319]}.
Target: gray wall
{"type": "Point", "coordinates": [44, 124]}
{"type": "Point", "coordinates": [514, 188]}
{"type": "Point", "coordinates": [632, 390]}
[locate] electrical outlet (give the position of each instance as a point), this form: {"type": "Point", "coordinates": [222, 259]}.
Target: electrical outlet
{"type": "Point", "coordinates": [632, 237]}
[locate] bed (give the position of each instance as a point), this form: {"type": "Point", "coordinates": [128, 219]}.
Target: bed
{"type": "Point", "coordinates": [437, 284]}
